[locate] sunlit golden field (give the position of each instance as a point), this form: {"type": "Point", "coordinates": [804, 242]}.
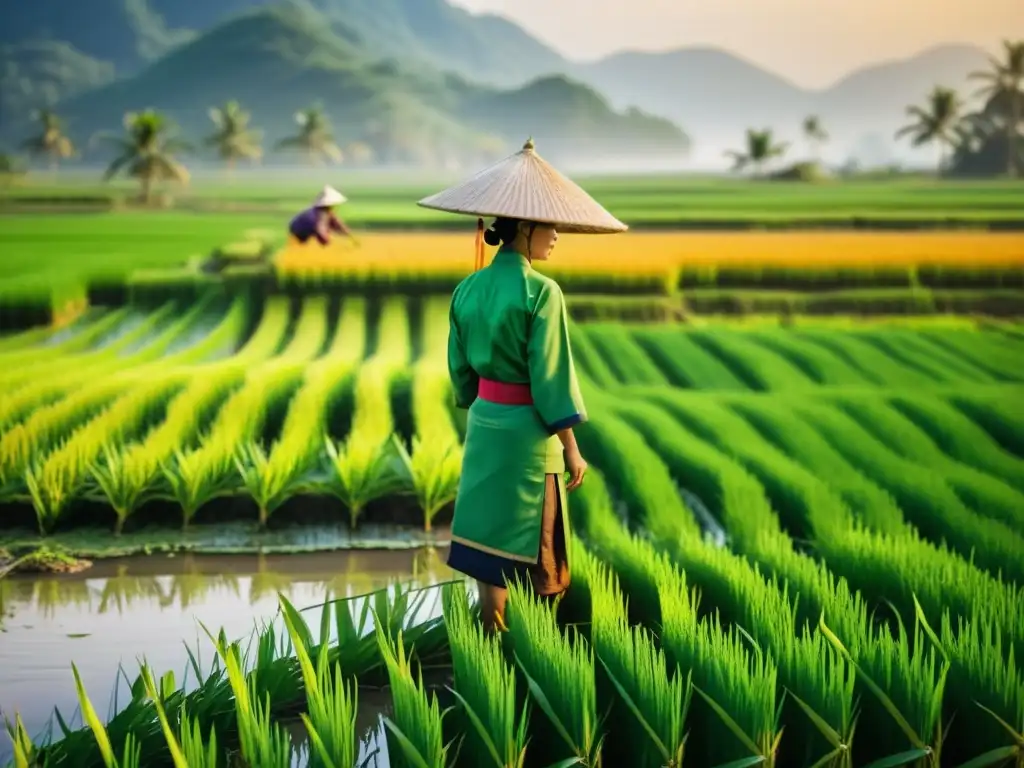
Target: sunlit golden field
{"type": "Point", "coordinates": [651, 252]}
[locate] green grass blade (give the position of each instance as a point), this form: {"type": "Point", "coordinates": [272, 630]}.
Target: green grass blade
{"type": "Point", "coordinates": [410, 751]}
{"type": "Point", "coordinates": [666, 755]}
{"type": "Point", "coordinates": [90, 717]}
{"type": "Point", "coordinates": [744, 762]}
{"type": "Point", "coordinates": [480, 728]}
{"type": "Point", "coordinates": [731, 724]}
{"type": "Point", "coordinates": [830, 733]}
{"type": "Point", "coordinates": [545, 705]}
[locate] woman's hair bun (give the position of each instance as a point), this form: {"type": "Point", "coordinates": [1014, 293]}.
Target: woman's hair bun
{"type": "Point", "coordinates": [491, 237]}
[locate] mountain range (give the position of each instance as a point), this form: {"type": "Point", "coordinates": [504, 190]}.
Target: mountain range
{"type": "Point", "coordinates": [428, 66]}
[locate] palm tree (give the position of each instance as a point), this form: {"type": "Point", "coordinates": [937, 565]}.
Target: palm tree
{"type": "Point", "coordinates": [937, 122]}
{"type": "Point", "coordinates": [315, 137]}
{"type": "Point", "coordinates": [761, 148]}
{"type": "Point", "coordinates": [815, 134]}
{"type": "Point", "coordinates": [233, 139]}
{"type": "Point", "coordinates": [50, 141]}
{"type": "Point", "coordinates": [147, 151]}
{"type": "Point", "coordinates": [1004, 82]}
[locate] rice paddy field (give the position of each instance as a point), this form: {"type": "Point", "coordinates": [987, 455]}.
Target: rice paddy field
{"type": "Point", "coordinates": [800, 542]}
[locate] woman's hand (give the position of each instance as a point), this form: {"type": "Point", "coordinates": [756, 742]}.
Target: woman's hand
{"type": "Point", "coordinates": [576, 466]}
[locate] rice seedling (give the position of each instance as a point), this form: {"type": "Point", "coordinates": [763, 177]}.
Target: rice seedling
{"type": "Point", "coordinates": [559, 673]}
{"type": "Point", "coordinates": [494, 721]}
{"type": "Point", "coordinates": [415, 734]}
{"type": "Point", "coordinates": [331, 700]}
{"type": "Point", "coordinates": [655, 699]}
{"type": "Point", "coordinates": [740, 716]}
{"type": "Point", "coordinates": [435, 459]}
{"type": "Point", "coordinates": [131, 751]}
{"type": "Point", "coordinates": [907, 680]}
{"type": "Point", "coordinates": [262, 742]}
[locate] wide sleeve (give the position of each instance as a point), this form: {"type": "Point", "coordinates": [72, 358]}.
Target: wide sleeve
{"type": "Point", "coordinates": [553, 382]}
{"type": "Point", "coordinates": [465, 381]}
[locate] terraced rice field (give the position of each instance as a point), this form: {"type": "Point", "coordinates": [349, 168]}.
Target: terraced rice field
{"type": "Point", "coordinates": [798, 546]}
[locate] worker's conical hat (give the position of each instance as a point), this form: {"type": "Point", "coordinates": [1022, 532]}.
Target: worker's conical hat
{"type": "Point", "coordinates": [329, 196]}
{"type": "Point", "coordinates": [524, 186]}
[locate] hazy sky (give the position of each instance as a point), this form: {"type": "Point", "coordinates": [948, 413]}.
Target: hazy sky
{"type": "Point", "coordinates": [812, 42]}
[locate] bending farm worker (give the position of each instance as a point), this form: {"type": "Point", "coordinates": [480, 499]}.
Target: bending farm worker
{"type": "Point", "coordinates": [511, 365]}
{"type": "Point", "coordinates": [319, 220]}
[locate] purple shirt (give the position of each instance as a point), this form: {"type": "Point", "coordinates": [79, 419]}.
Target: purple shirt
{"type": "Point", "coordinates": [312, 223]}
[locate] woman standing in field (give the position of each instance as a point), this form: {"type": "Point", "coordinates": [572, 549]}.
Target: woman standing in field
{"type": "Point", "coordinates": [319, 219]}
{"type": "Point", "coordinates": [511, 365]}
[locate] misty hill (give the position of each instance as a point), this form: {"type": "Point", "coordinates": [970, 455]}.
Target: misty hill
{"type": "Point", "coordinates": [40, 74]}
{"type": "Point", "coordinates": [280, 59]}
{"type": "Point", "coordinates": [714, 94]}
{"type": "Point", "coordinates": [124, 33]}
{"type": "Point", "coordinates": [717, 95]}
{"type": "Point", "coordinates": [132, 33]}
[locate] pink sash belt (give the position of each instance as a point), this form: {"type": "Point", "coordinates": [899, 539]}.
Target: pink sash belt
{"type": "Point", "coordinates": [504, 393]}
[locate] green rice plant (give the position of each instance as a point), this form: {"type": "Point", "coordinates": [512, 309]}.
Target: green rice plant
{"type": "Point", "coordinates": [269, 484]}
{"type": "Point", "coordinates": [367, 464]}
{"type": "Point", "coordinates": [1000, 415]}
{"type": "Point", "coordinates": [985, 494]}
{"type": "Point", "coordinates": [559, 672]}
{"type": "Point", "coordinates": [23, 443]}
{"type": "Point", "coordinates": [987, 351]}
{"type": "Point", "coordinates": [485, 686]}
{"type": "Point", "coordinates": [217, 343]}
{"type": "Point", "coordinates": [822, 365]}
{"type": "Point", "coordinates": [628, 360]}
{"type": "Point", "coordinates": [807, 507]}
{"type": "Point", "coordinates": [23, 746]}
{"type": "Point", "coordinates": [361, 471]}
{"type": "Point", "coordinates": [656, 700]}
{"type": "Point", "coordinates": [588, 359]}
{"type": "Point", "coordinates": [331, 700]}
{"type": "Point", "coordinates": [819, 731]}
{"type": "Point", "coordinates": [415, 737]}
{"type": "Point", "coordinates": [715, 479]}
{"type": "Point", "coordinates": [927, 500]}
{"type": "Point", "coordinates": [874, 364]}
{"type": "Point", "coordinates": [906, 678]}
{"type": "Point", "coordinates": [310, 334]}
{"type": "Point", "coordinates": [740, 719]}
{"type": "Point", "coordinates": [62, 475]}
{"type": "Point", "coordinates": [191, 751]}
{"type": "Point", "coordinates": [131, 750]}
{"type": "Point", "coordinates": [759, 368]}
{"type": "Point", "coordinates": [262, 742]}
{"type": "Point", "coordinates": [905, 349]}
{"type": "Point", "coordinates": [685, 363]}
{"type": "Point", "coordinates": [129, 475]}
{"type": "Point", "coordinates": [775, 421]}
{"type": "Point", "coordinates": [632, 468]}
{"type": "Point", "coordinates": [271, 478]}
{"type": "Point", "coordinates": [195, 476]}
{"type": "Point", "coordinates": [985, 692]}
{"type": "Point", "coordinates": [435, 460]}
{"type": "Point", "coordinates": [270, 332]}
{"type": "Point", "coordinates": [899, 569]}
{"type": "Point", "coordinates": [961, 439]}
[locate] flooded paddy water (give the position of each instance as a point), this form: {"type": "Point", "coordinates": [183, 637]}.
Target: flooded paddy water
{"type": "Point", "coordinates": [122, 611]}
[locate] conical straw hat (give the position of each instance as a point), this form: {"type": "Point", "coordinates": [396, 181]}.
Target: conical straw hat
{"type": "Point", "coordinates": [524, 186]}
{"type": "Point", "coordinates": [329, 196]}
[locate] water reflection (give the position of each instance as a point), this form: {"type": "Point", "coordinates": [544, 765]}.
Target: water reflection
{"type": "Point", "coordinates": [119, 611]}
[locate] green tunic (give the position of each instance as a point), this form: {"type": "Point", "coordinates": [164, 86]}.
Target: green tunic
{"type": "Point", "coordinates": [509, 323]}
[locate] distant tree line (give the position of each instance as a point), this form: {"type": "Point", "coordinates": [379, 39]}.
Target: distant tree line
{"type": "Point", "coordinates": [989, 141]}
